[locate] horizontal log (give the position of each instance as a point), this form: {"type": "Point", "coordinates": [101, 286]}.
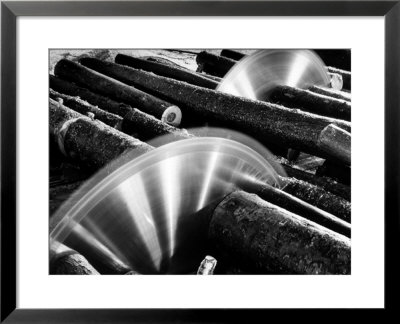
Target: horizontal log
{"type": "Point", "coordinates": [232, 54]}
{"type": "Point", "coordinates": [341, 95]}
{"type": "Point", "coordinates": [285, 126]}
{"type": "Point", "coordinates": [312, 102]}
{"type": "Point", "coordinates": [214, 64]}
{"type": "Point", "coordinates": [87, 109]}
{"type": "Point", "coordinates": [90, 142]}
{"type": "Point", "coordinates": [65, 261]}
{"type": "Point", "coordinates": [346, 76]}
{"type": "Point", "coordinates": [264, 238]}
{"type": "Point", "coordinates": [336, 142]}
{"type": "Point", "coordinates": [328, 184]}
{"type": "Point", "coordinates": [318, 197]}
{"type": "Point", "coordinates": [166, 70]}
{"type": "Point", "coordinates": [131, 120]}
{"type": "Point", "coordinates": [97, 82]}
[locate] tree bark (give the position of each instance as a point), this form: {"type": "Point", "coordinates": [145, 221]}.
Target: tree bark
{"type": "Point", "coordinates": [214, 64]}
{"type": "Point", "coordinates": [90, 142]}
{"type": "Point", "coordinates": [134, 122]}
{"type": "Point", "coordinates": [341, 95]}
{"type": "Point", "coordinates": [65, 261]}
{"type": "Point", "coordinates": [336, 142]}
{"type": "Point", "coordinates": [311, 102]}
{"type": "Point", "coordinates": [87, 109]}
{"type": "Point", "coordinates": [285, 126]}
{"type": "Point", "coordinates": [166, 70]}
{"type": "Point", "coordinates": [346, 76]}
{"type": "Point", "coordinates": [97, 82]}
{"type": "Point", "coordinates": [263, 238]}
{"type": "Point", "coordinates": [328, 184]}
{"type": "Point", "coordinates": [318, 197]}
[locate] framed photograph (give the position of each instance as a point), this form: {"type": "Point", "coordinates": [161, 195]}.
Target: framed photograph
{"type": "Point", "coordinates": [150, 142]}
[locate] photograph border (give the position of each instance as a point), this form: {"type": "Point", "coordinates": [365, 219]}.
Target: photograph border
{"type": "Point", "coordinates": [11, 10]}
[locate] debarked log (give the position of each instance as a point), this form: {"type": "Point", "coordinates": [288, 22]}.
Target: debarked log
{"type": "Point", "coordinates": [65, 261]}
{"type": "Point", "coordinates": [288, 127]}
{"type": "Point", "coordinates": [87, 109]}
{"type": "Point", "coordinates": [131, 120]}
{"type": "Point", "coordinates": [336, 142]}
{"type": "Point", "coordinates": [90, 142]}
{"type": "Point", "coordinates": [264, 238]}
{"type": "Point", "coordinates": [214, 64]}
{"type": "Point", "coordinates": [309, 101]}
{"type": "Point", "coordinates": [341, 95]}
{"type": "Point", "coordinates": [97, 82]}
{"type": "Point", "coordinates": [346, 76]}
{"type": "Point", "coordinates": [166, 70]}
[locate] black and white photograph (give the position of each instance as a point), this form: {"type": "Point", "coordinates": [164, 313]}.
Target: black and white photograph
{"type": "Point", "coordinates": [199, 161]}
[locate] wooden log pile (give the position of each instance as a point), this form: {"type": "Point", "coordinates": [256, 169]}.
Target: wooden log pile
{"type": "Point", "coordinates": [101, 109]}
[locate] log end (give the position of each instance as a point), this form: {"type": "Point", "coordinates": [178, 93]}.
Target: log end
{"type": "Point", "coordinates": [172, 116]}
{"type": "Point", "coordinates": [336, 81]}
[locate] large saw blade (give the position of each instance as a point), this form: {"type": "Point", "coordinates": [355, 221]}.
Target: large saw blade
{"type": "Point", "coordinates": [256, 75]}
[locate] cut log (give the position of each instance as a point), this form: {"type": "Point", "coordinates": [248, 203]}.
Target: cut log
{"type": "Point", "coordinates": [341, 95]}
{"type": "Point", "coordinates": [65, 261]}
{"type": "Point", "coordinates": [285, 126]}
{"type": "Point", "coordinates": [328, 184]}
{"type": "Point", "coordinates": [318, 197]}
{"type": "Point", "coordinates": [95, 99]}
{"type": "Point", "coordinates": [87, 109]}
{"type": "Point", "coordinates": [336, 81]}
{"type": "Point", "coordinates": [166, 70]}
{"type": "Point", "coordinates": [214, 64]}
{"type": "Point", "coordinates": [232, 54]}
{"type": "Point", "coordinates": [97, 82]}
{"type": "Point", "coordinates": [336, 142]}
{"type": "Point", "coordinates": [339, 58]}
{"type": "Point", "coordinates": [263, 238]}
{"type": "Point", "coordinates": [90, 142]}
{"type": "Point", "coordinates": [346, 76]}
{"type": "Point", "coordinates": [207, 266]}
{"type": "Point", "coordinates": [135, 122]}
{"type": "Point", "coordinates": [312, 102]}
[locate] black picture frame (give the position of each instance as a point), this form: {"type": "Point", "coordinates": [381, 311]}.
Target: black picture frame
{"type": "Point", "coordinates": [10, 10]}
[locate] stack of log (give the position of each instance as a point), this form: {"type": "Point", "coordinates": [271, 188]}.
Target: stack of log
{"type": "Point", "coordinates": [101, 109]}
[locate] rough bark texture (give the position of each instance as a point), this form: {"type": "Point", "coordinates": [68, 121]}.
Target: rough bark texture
{"type": "Point", "coordinates": [318, 197]}
{"type": "Point", "coordinates": [303, 208]}
{"type": "Point", "coordinates": [263, 238]}
{"type": "Point", "coordinates": [336, 142]}
{"type": "Point", "coordinates": [87, 109]}
{"type": "Point", "coordinates": [166, 70]}
{"type": "Point", "coordinates": [90, 142]}
{"type": "Point", "coordinates": [341, 95]}
{"type": "Point", "coordinates": [311, 102]}
{"type": "Point", "coordinates": [346, 76]}
{"type": "Point", "coordinates": [95, 99]}
{"type": "Point", "coordinates": [287, 127]}
{"type": "Point", "coordinates": [214, 64]}
{"type": "Point", "coordinates": [146, 127]}
{"type": "Point", "coordinates": [328, 184]}
{"type": "Point", "coordinates": [64, 261]}
{"type": "Point", "coordinates": [119, 91]}
{"type": "Point", "coordinates": [232, 54]}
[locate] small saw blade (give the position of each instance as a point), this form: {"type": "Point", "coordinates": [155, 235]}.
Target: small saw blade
{"type": "Point", "coordinates": [256, 75]}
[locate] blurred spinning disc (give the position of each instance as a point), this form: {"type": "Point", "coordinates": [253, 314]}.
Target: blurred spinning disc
{"type": "Point", "coordinates": [143, 215]}
{"type": "Point", "coordinates": [256, 75]}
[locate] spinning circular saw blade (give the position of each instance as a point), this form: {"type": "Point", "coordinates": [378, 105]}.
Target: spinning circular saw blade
{"type": "Point", "coordinates": [256, 75]}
